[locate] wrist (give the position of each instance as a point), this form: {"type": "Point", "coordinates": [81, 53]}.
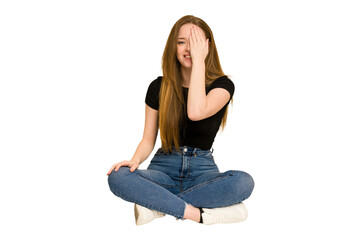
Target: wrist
{"type": "Point", "coordinates": [136, 160]}
{"type": "Point", "coordinates": [198, 62]}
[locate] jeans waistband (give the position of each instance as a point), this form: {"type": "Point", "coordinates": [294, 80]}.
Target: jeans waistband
{"type": "Point", "coordinates": [191, 151]}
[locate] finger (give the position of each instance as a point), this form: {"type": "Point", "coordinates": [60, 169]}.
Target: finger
{"type": "Point", "coordinates": [195, 33]}
{"type": "Point", "coordinates": [112, 168]}
{"type": "Point", "coordinates": [191, 36]}
{"type": "Point", "coordinates": [201, 34]}
{"type": "Point", "coordinates": [119, 165]}
{"type": "Point", "coordinates": [134, 167]}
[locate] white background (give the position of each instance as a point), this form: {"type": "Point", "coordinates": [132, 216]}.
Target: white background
{"type": "Point", "coordinates": [74, 75]}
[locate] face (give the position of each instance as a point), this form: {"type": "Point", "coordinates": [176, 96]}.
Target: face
{"type": "Point", "coordinates": [183, 47]}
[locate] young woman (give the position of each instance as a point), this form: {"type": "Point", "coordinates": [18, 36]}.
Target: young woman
{"type": "Point", "coordinates": [188, 104]}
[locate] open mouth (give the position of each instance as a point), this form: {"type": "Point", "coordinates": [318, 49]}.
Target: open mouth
{"type": "Point", "coordinates": [187, 56]}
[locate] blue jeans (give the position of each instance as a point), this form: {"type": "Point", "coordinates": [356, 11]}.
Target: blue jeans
{"type": "Point", "coordinates": [173, 180]}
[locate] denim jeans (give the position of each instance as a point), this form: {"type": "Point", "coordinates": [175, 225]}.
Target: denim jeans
{"type": "Point", "coordinates": [173, 180]}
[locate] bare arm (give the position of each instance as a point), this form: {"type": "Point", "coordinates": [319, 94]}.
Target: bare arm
{"type": "Point", "coordinates": [200, 105]}
{"type": "Point", "coordinates": [146, 145]}
{"type": "Point", "coordinates": [148, 141]}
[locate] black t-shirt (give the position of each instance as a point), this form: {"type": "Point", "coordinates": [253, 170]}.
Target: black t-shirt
{"type": "Point", "coordinates": [200, 134]}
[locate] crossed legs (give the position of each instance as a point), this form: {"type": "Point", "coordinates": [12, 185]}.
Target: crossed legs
{"type": "Point", "coordinates": [157, 191]}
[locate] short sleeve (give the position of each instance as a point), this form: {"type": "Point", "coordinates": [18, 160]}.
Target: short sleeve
{"type": "Point", "coordinates": [223, 82]}
{"type": "Point", "coordinates": [152, 95]}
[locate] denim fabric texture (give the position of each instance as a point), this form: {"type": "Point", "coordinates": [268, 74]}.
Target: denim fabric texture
{"type": "Point", "coordinates": [175, 179]}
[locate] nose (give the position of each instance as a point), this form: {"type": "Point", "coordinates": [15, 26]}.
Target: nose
{"type": "Point", "coordinates": [187, 47]}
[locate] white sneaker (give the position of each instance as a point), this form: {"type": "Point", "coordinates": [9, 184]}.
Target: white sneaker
{"type": "Point", "coordinates": [144, 215]}
{"type": "Point", "coordinates": [230, 214]}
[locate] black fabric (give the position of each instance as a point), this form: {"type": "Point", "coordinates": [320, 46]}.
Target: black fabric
{"type": "Point", "coordinates": [201, 218]}
{"type": "Point", "coordinates": [200, 134]}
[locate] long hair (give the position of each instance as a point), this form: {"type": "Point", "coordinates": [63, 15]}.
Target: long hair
{"type": "Point", "coordinates": [172, 108]}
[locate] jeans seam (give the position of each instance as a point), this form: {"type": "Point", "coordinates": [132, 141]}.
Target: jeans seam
{"type": "Point", "coordinates": [205, 183]}
{"type": "Point", "coordinates": [160, 184]}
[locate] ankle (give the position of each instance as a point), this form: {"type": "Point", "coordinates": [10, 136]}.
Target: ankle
{"type": "Point", "coordinates": [192, 213]}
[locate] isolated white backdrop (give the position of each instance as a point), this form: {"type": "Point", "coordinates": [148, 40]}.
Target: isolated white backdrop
{"type": "Point", "coordinates": [73, 80]}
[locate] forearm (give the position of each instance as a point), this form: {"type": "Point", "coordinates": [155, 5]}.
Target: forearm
{"type": "Point", "coordinates": [143, 150]}
{"type": "Point", "coordinates": [197, 93]}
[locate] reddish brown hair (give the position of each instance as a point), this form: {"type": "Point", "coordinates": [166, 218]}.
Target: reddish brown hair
{"type": "Point", "coordinates": [172, 103]}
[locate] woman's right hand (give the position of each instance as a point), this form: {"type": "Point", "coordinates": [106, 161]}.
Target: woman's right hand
{"type": "Point", "coordinates": [133, 165]}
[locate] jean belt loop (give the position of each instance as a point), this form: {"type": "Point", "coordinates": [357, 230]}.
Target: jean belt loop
{"type": "Point", "coordinates": [194, 152]}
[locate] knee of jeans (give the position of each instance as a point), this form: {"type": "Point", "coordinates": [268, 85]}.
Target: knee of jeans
{"type": "Point", "coordinates": [118, 178]}
{"type": "Point", "coordinates": [244, 183]}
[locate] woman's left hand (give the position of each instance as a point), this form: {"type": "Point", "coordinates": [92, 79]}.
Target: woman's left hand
{"type": "Point", "coordinates": [199, 45]}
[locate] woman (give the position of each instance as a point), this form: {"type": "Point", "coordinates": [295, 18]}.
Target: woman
{"type": "Point", "coordinates": [188, 104]}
